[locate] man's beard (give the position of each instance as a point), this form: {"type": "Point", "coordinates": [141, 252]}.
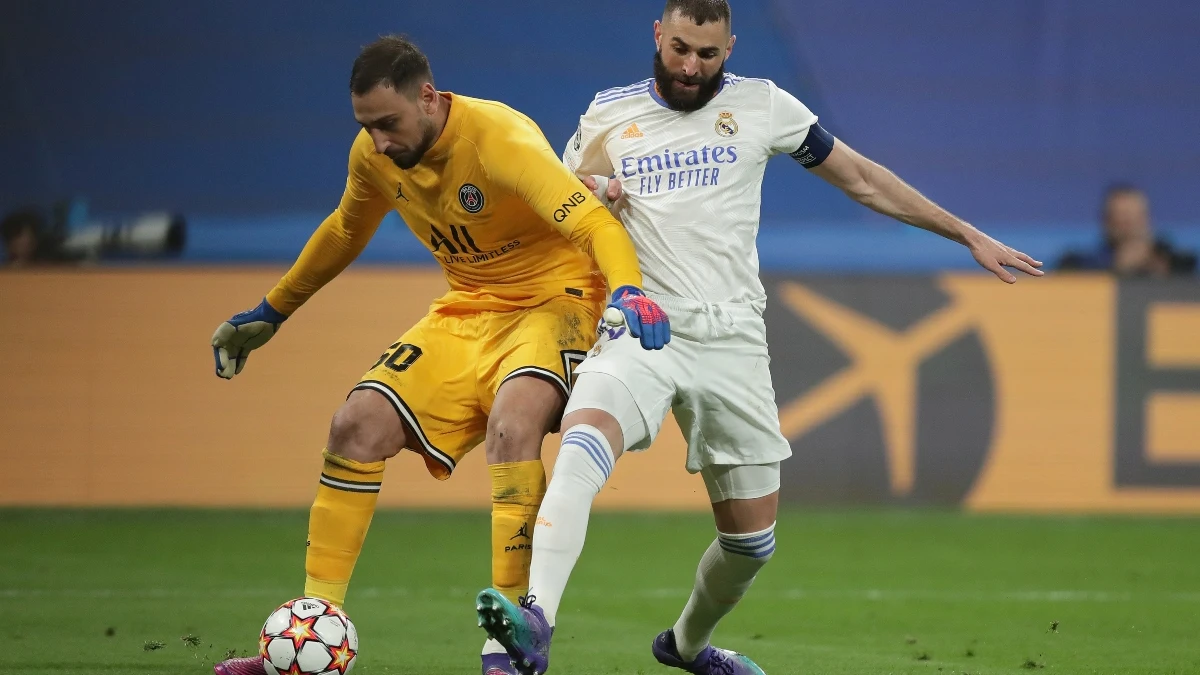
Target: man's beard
{"type": "Point", "coordinates": [665, 82]}
{"type": "Point", "coordinates": [407, 159]}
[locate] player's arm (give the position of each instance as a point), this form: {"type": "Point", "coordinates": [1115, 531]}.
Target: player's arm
{"type": "Point", "coordinates": [881, 190]}
{"type": "Point", "coordinates": [332, 247]}
{"type": "Point", "coordinates": [794, 129]}
{"type": "Point", "coordinates": [524, 163]}
{"type": "Point", "coordinates": [586, 157]}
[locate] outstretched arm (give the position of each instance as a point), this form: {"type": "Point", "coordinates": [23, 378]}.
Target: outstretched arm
{"type": "Point", "coordinates": [794, 130]}
{"type": "Point", "coordinates": [334, 245]}
{"type": "Point", "coordinates": [881, 190]}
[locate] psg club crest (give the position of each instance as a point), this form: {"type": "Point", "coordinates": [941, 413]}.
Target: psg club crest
{"type": "Point", "coordinates": [471, 198]}
{"type": "Point", "coordinates": [726, 126]}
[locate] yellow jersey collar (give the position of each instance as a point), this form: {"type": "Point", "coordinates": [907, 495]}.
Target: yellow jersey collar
{"type": "Point", "coordinates": [453, 121]}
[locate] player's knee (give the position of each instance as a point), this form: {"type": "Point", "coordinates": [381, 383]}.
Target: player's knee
{"type": "Point", "coordinates": [601, 420]}
{"type": "Point", "coordinates": [585, 458]}
{"type": "Point", "coordinates": [514, 438]}
{"type": "Point", "coordinates": [363, 431]}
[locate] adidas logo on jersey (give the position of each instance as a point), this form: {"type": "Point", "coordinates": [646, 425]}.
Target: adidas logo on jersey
{"type": "Point", "coordinates": [632, 131]}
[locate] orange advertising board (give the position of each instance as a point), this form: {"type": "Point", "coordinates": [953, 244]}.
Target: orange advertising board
{"type": "Point", "coordinates": [1070, 394]}
{"type": "Point", "coordinates": [110, 397]}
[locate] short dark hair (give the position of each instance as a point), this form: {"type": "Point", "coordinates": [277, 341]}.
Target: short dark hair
{"type": "Point", "coordinates": [391, 61]}
{"type": "Point", "coordinates": [1118, 189]}
{"type": "Point", "coordinates": [700, 11]}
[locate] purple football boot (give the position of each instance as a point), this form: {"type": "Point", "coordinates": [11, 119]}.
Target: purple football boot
{"type": "Point", "coordinates": [498, 664]}
{"type": "Point", "coordinates": [711, 661]}
{"type": "Point", "coordinates": [522, 630]}
{"type": "Point", "coordinates": [247, 666]}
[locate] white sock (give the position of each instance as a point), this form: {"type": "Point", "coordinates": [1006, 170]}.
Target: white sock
{"type": "Point", "coordinates": [722, 578]}
{"type": "Point", "coordinates": [493, 647]}
{"type": "Point", "coordinates": [585, 461]}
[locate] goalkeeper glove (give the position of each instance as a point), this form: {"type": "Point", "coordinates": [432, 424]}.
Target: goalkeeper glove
{"type": "Point", "coordinates": [645, 319]}
{"type": "Point", "coordinates": [245, 332]}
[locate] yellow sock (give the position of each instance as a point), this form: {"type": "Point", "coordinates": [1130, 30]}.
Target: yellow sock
{"type": "Point", "coordinates": [517, 491]}
{"type": "Point", "coordinates": [337, 524]}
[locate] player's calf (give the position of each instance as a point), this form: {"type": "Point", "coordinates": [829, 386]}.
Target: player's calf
{"type": "Point", "coordinates": [745, 503]}
{"type": "Point", "coordinates": [517, 492]}
{"type": "Point", "coordinates": [724, 574]}
{"type": "Point", "coordinates": [525, 409]}
{"type": "Point", "coordinates": [365, 432]}
{"type": "Point", "coordinates": [592, 440]}
{"type": "Point", "coordinates": [585, 461]}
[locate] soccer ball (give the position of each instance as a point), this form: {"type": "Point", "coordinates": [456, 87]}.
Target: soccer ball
{"type": "Point", "coordinates": [307, 636]}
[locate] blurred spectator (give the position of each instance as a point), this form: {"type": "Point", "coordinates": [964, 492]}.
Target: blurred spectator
{"type": "Point", "coordinates": [22, 234]}
{"type": "Point", "coordinates": [1130, 247]}
{"type": "Point", "coordinates": [71, 237]}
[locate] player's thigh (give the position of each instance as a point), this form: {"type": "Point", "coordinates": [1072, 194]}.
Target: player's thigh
{"type": "Point", "coordinates": [633, 385]}
{"type": "Point", "coordinates": [745, 498]}
{"type": "Point", "coordinates": [526, 408]}
{"type": "Point", "coordinates": [547, 342]}
{"type": "Point", "coordinates": [607, 424]}
{"type": "Point", "coordinates": [428, 379]}
{"type": "Point", "coordinates": [727, 410]}
{"type": "Point", "coordinates": [527, 363]}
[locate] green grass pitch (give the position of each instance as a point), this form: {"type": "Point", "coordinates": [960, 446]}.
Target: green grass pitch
{"type": "Point", "coordinates": [864, 592]}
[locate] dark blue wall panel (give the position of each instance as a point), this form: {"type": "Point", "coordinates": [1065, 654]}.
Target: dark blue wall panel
{"type": "Point", "coordinates": [1008, 112]}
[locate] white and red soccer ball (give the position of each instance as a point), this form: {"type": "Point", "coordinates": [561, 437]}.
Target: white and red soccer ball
{"type": "Point", "coordinates": [307, 636]}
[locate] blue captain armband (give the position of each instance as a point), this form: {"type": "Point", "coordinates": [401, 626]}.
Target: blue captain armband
{"type": "Point", "coordinates": [815, 149]}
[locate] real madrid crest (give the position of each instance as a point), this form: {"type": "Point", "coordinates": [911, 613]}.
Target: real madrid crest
{"type": "Point", "coordinates": [471, 198]}
{"type": "Point", "coordinates": [726, 126]}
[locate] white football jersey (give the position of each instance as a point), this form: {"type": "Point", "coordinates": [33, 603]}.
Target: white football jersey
{"type": "Point", "coordinates": [692, 181]}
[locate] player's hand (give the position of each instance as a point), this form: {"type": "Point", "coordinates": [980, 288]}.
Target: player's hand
{"type": "Point", "coordinates": [605, 189]}
{"type": "Point", "coordinates": [645, 319]}
{"type": "Point", "coordinates": [994, 256]}
{"type": "Point", "coordinates": [237, 337]}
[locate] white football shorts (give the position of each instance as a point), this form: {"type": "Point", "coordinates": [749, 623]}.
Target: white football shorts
{"type": "Point", "coordinates": [714, 375]}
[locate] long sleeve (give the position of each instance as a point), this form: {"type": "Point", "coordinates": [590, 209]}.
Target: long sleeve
{"type": "Point", "coordinates": [528, 166]}
{"type": "Point", "coordinates": [604, 238]}
{"type": "Point", "coordinates": [336, 243]}
{"type": "Point", "coordinates": [584, 154]}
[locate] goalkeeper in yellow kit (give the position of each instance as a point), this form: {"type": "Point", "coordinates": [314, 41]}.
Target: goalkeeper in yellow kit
{"type": "Point", "coordinates": [520, 240]}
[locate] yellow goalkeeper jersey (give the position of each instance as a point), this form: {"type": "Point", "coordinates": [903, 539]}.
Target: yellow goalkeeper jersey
{"type": "Point", "coordinates": [509, 224]}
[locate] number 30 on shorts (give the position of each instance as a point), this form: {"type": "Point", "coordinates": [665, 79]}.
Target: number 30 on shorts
{"type": "Point", "coordinates": [399, 357]}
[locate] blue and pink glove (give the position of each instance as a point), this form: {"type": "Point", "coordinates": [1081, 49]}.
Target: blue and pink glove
{"type": "Point", "coordinates": [644, 318]}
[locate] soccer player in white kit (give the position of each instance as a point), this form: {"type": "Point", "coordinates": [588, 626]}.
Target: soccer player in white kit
{"type": "Point", "coordinates": [687, 150]}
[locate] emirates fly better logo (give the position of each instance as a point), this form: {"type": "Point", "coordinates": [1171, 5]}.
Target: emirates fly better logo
{"type": "Point", "coordinates": [884, 390]}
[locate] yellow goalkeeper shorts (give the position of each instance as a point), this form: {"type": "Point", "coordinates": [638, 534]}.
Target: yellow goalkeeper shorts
{"type": "Point", "coordinates": [443, 374]}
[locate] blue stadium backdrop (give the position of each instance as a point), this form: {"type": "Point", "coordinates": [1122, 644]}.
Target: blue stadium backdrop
{"type": "Point", "coordinates": [1013, 114]}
